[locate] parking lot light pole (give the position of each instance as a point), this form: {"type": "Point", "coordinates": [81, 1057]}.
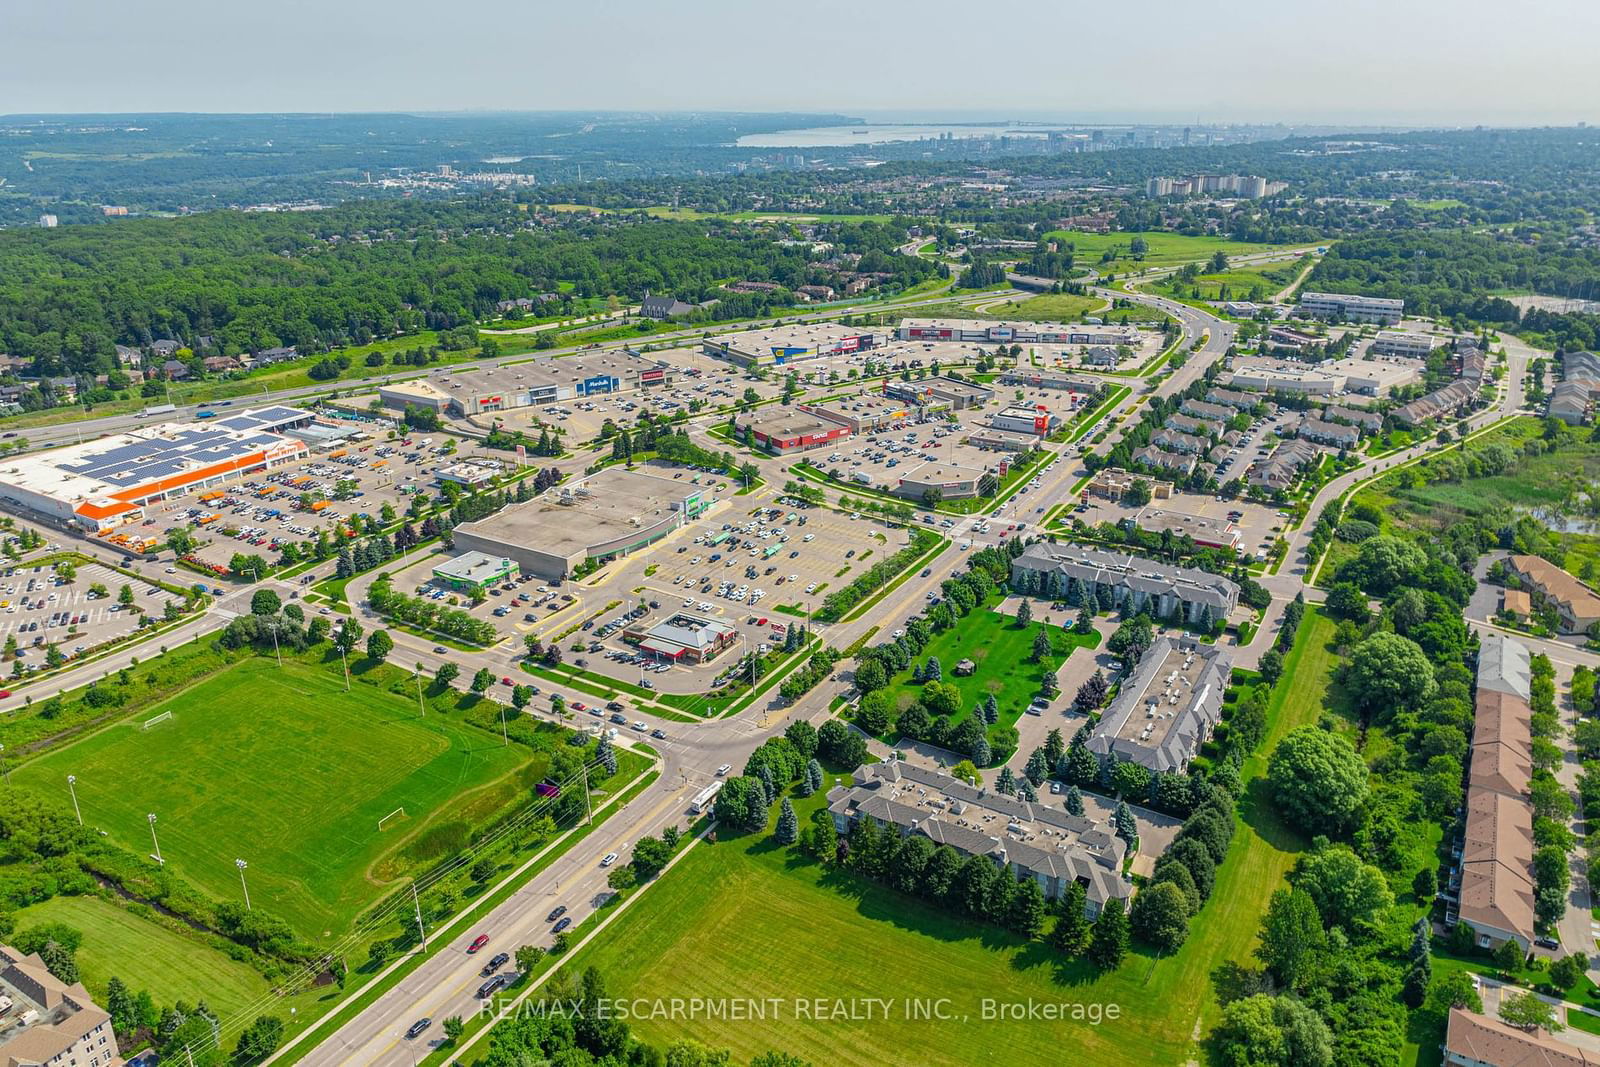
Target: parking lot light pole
{"type": "Point", "coordinates": [72, 787]}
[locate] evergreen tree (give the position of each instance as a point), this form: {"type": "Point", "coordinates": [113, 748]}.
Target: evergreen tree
{"type": "Point", "coordinates": [1420, 972]}
{"type": "Point", "coordinates": [1006, 783]}
{"type": "Point", "coordinates": [768, 786]}
{"type": "Point", "coordinates": [1071, 932]}
{"type": "Point", "coordinates": [607, 755]}
{"type": "Point", "coordinates": [980, 752]}
{"type": "Point", "coordinates": [991, 710]}
{"type": "Point", "coordinates": [1024, 613]}
{"type": "Point", "coordinates": [1074, 801]}
{"type": "Point", "coordinates": [788, 828]}
{"type": "Point", "coordinates": [1025, 791]}
{"type": "Point", "coordinates": [1041, 645]}
{"type": "Point", "coordinates": [1127, 827]}
{"type": "Point", "coordinates": [814, 775]}
{"type": "Point", "coordinates": [1109, 942]}
{"type": "Point", "coordinates": [1036, 768]}
{"type": "Point", "coordinates": [1027, 909]}
{"type": "Point", "coordinates": [934, 671]}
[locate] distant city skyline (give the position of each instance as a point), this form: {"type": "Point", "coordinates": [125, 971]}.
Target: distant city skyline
{"type": "Point", "coordinates": [1361, 63]}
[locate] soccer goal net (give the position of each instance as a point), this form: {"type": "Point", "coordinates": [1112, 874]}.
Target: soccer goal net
{"type": "Point", "coordinates": [156, 720]}
{"type": "Point", "coordinates": [397, 813]}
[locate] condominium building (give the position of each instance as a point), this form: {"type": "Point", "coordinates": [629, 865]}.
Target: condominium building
{"type": "Point", "coordinates": [1119, 579]}
{"type": "Point", "coordinates": [50, 1022]}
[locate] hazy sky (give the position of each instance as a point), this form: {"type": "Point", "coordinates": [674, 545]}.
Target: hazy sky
{"type": "Point", "coordinates": [1339, 61]}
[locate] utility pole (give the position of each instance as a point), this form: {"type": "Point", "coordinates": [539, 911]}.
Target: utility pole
{"type": "Point", "coordinates": [587, 817]}
{"type": "Point", "coordinates": [72, 787]}
{"type": "Point", "coordinates": [421, 930]}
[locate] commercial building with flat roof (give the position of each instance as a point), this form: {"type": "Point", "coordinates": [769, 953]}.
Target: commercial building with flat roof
{"type": "Point", "coordinates": [1114, 483]}
{"type": "Point", "coordinates": [682, 638]}
{"type": "Point", "coordinates": [474, 572]}
{"type": "Point", "coordinates": [542, 381]}
{"type": "Point", "coordinates": [1352, 308]}
{"type": "Point", "coordinates": [952, 481]}
{"type": "Point", "coordinates": [795, 430]}
{"type": "Point", "coordinates": [105, 483]}
{"type": "Point", "coordinates": [863, 412]}
{"type": "Point", "coordinates": [1047, 379]}
{"type": "Point", "coordinates": [1019, 418]}
{"type": "Point", "coordinates": [938, 392]}
{"type": "Point", "coordinates": [1406, 343]}
{"type": "Point", "coordinates": [790, 344]}
{"type": "Point", "coordinates": [1204, 530]}
{"type": "Point", "coordinates": [610, 513]}
{"type": "Point", "coordinates": [1166, 708]}
{"type": "Point", "coordinates": [1015, 332]}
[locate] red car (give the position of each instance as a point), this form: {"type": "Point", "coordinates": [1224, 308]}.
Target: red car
{"type": "Point", "coordinates": [761, 622]}
{"type": "Point", "coordinates": [478, 942]}
{"type": "Point", "coordinates": [578, 705]}
{"type": "Point", "coordinates": [507, 681]}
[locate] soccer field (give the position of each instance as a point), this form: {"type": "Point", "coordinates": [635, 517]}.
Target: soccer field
{"type": "Point", "coordinates": [282, 768]}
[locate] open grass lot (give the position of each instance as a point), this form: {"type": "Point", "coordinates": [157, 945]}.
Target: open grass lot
{"type": "Point", "coordinates": [146, 955]}
{"type": "Point", "coordinates": [283, 768]}
{"type": "Point", "coordinates": [1048, 307]}
{"type": "Point", "coordinates": [1260, 282]}
{"type": "Point", "coordinates": [1165, 249]}
{"type": "Point", "coordinates": [710, 926]}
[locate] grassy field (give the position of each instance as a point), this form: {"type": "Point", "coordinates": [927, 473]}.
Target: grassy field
{"type": "Point", "coordinates": [709, 928]}
{"type": "Point", "coordinates": [1048, 307]}
{"type": "Point", "coordinates": [146, 955]}
{"type": "Point", "coordinates": [1258, 283]}
{"type": "Point", "coordinates": [283, 768]}
{"type": "Point", "coordinates": [1165, 249]}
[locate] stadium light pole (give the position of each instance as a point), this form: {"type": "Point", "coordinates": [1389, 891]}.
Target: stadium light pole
{"type": "Point", "coordinates": [423, 711]}
{"type": "Point", "coordinates": [5, 772]}
{"type": "Point", "coordinates": [241, 864]}
{"type": "Point", "coordinates": [275, 650]}
{"type": "Point", "coordinates": [153, 841]}
{"type": "Point", "coordinates": [72, 787]}
{"type": "Point", "coordinates": [346, 661]}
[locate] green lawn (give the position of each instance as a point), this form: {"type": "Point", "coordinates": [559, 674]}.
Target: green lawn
{"type": "Point", "coordinates": [146, 955]}
{"type": "Point", "coordinates": [1002, 650]}
{"type": "Point", "coordinates": [283, 768]}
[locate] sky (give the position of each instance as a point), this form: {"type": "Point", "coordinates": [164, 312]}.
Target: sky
{"type": "Point", "coordinates": [1360, 62]}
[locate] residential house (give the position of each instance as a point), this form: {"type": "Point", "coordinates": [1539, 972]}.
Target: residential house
{"type": "Point", "coordinates": [1201, 409]}
{"type": "Point", "coordinates": [174, 370]}
{"type": "Point", "coordinates": [1151, 456]}
{"type": "Point", "coordinates": [1232, 398]}
{"type": "Point", "coordinates": [1182, 443]}
{"type": "Point", "coordinates": [1577, 607]}
{"type": "Point", "coordinates": [1475, 1040]}
{"type": "Point", "coordinates": [663, 307]}
{"type": "Point", "coordinates": [1370, 421]}
{"type": "Point", "coordinates": [1187, 424]}
{"type": "Point", "coordinates": [51, 1022]}
{"type": "Point", "coordinates": [1335, 434]}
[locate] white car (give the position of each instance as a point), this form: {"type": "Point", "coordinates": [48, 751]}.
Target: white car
{"type": "Point", "coordinates": [724, 769]}
{"type": "Point", "coordinates": [609, 859]}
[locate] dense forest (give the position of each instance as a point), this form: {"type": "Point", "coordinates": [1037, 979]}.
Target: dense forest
{"type": "Point", "coordinates": [362, 271]}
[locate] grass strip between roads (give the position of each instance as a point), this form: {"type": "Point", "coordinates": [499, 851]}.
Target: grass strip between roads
{"type": "Point", "coordinates": [441, 939]}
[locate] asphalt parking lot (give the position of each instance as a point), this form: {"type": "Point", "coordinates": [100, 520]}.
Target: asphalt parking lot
{"type": "Point", "coordinates": [37, 609]}
{"type": "Point", "coordinates": [291, 503]}
{"type": "Point", "coordinates": [884, 457]}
